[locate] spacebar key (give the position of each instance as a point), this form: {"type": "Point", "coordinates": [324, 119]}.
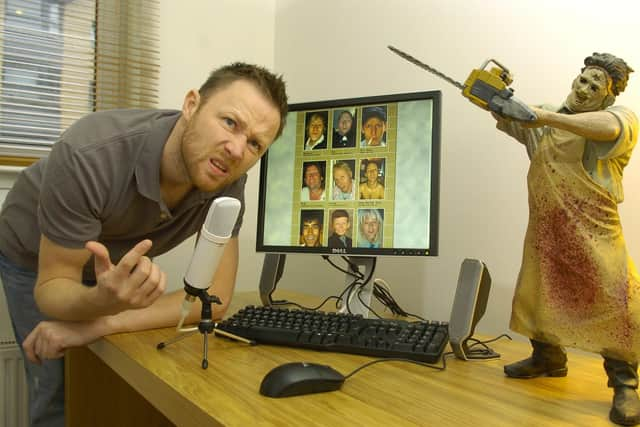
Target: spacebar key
{"type": "Point", "coordinates": [266, 335]}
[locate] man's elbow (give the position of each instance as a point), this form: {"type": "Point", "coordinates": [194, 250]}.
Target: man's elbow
{"type": "Point", "coordinates": [43, 301]}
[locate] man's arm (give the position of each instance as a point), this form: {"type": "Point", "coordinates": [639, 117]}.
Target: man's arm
{"type": "Point", "coordinates": [166, 310]}
{"type": "Point", "coordinates": [51, 338]}
{"type": "Point", "coordinates": [134, 282]}
{"type": "Point", "coordinates": [596, 125]}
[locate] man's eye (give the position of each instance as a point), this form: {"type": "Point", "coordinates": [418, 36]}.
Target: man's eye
{"type": "Point", "coordinates": [230, 122]}
{"type": "Point", "coordinates": [255, 145]}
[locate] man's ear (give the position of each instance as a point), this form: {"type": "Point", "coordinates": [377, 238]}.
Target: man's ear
{"type": "Point", "coordinates": [190, 104]}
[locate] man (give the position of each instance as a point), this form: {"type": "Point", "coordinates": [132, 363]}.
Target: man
{"type": "Point", "coordinates": [370, 222]}
{"type": "Point", "coordinates": [371, 188]}
{"type": "Point", "coordinates": [311, 230]}
{"type": "Point", "coordinates": [344, 135]}
{"type": "Point", "coordinates": [343, 180]}
{"type": "Point", "coordinates": [118, 188]}
{"type": "Point", "coordinates": [374, 127]}
{"type": "Point", "coordinates": [341, 224]}
{"type": "Point", "coordinates": [577, 285]}
{"type": "Point", "coordinates": [313, 183]}
{"type": "Point", "coordinates": [316, 128]}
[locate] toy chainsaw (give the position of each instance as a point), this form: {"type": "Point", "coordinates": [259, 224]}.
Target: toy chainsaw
{"type": "Point", "coordinates": [487, 89]}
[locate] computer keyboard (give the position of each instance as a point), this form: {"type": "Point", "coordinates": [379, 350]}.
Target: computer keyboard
{"type": "Point", "coordinates": [340, 332]}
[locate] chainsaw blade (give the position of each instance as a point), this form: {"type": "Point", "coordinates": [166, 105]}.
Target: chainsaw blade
{"type": "Point", "coordinates": [426, 67]}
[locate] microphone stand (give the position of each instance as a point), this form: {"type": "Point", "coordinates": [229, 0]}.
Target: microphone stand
{"type": "Point", "coordinates": [206, 326]}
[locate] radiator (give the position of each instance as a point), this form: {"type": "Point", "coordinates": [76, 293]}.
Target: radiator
{"type": "Point", "coordinates": [14, 401]}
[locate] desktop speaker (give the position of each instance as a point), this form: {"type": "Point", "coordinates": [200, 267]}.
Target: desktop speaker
{"type": "Point", "coordinates": [469, 306]}
{"type": "Point", "coordinates": [272, 269]}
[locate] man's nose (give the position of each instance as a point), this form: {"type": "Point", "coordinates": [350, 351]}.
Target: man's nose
{"type": "Point", "coordinates": [236, 145]}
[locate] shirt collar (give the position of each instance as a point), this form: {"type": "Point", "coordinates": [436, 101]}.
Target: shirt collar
{"type": "Point", "coordinates": [147, 172]}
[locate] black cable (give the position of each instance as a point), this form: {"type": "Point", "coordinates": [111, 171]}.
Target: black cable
{"type": "Point", "coordinates": [364, 304]}
{"type": "Point", "coordinates": [287, 302]}
{"type": "Point", "coordinates": [398, 359]}
{"type": "Point", "coordinates": [352, 273]}
{"type": "Point", "coordinates": [494, 339]}
{"type": "Point", "coordinates": [485, 352]}
{"type": "Point", "coordinates": [383, 295]}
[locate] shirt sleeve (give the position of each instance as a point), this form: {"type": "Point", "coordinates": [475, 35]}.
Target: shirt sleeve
{"type": "Point", "coordinates": [628, 134]}
{"type": "Point", "coordinates": [69, 205]}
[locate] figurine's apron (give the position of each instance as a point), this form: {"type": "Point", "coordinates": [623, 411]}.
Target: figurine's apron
{"type": "Point", "coordinates": [577, 285]}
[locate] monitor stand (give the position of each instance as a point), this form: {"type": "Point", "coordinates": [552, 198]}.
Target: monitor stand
{"type": "Point", "coordinates": [273, 267]}
{"type": "Point", "coordinates": [360, 296]}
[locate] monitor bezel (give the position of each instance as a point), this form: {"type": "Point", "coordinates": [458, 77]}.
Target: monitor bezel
{"type": "Point", "coordinates": [436, 97]}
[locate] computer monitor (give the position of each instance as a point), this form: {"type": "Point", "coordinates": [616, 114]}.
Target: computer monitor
{"type": "Point", "coordinates": [356, 177]}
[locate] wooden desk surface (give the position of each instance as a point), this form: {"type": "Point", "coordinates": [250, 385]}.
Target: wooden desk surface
{"type": "Point", "coordinates": [468, 393]}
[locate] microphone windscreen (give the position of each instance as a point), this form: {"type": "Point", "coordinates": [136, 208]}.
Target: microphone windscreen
{"type": "Point", "coordinates": [222, 216]}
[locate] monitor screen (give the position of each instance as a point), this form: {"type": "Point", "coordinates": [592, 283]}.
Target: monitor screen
{"type": "Point", "coordinates": [354, 176]}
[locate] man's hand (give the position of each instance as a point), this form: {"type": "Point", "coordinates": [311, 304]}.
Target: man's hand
{"type": "Point", "coordinates": [135, 282]}
{"type": "Point", "coordinates": [49, 339]}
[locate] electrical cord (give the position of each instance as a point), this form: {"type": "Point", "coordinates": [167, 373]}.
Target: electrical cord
{"type": "Point", "coordinates": [287, 302]}
{"type": "Point", "coordinates": [398, 359]}
{"type": "Point", "coordinates": [442, 367]}
{"type": "Point", "coordinates": [485, 352]}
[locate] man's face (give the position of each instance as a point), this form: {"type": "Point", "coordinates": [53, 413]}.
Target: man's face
{"type": "Point", "coordinates": [316, 128]}
{"type": "Point", "coordinates": [373, 130]}
{"type": "Point", "coordinates": [342, 179]}
{"type": "Point", "coordinates": [227, 134]}
{"type": "Point", "coordinates": [312, 178]}
{"type": "Point", "coordinates": [311, 232]}
{"type": "Point", "coordinates": [372, 172]}
{"type": "Point", "coordinates": [589, 90]}
{"type": "Point", "coordinates": [344, 123]}
{"type": "Point", "coordinates": [370, 228]}
{"type": "Point", "coordinates": [340, 225]}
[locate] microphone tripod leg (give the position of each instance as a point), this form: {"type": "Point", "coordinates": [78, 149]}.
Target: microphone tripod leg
{"type": "Point", "coordinates": [205, 351]}
{"type": "Point", "coordinates": [177, 338]}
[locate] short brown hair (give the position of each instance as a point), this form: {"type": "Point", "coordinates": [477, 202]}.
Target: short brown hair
{"type": "Point", "coordinates": [272, 86]}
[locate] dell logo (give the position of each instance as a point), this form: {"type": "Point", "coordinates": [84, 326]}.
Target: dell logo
{"type": "Point", "coordinates": [338, 250]}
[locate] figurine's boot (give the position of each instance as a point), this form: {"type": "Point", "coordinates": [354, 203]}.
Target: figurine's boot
{"type": "Point", "coordinates": [623, 378]}
{"type": "Point", "coordinates": [546, 360]}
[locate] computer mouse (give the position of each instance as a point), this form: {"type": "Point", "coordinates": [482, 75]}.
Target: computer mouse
{"type": "Point", "coordinates": [294, 379]}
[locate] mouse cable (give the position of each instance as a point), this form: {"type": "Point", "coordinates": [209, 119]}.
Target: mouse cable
{"type": "Point", "coordinates": [399, 359]}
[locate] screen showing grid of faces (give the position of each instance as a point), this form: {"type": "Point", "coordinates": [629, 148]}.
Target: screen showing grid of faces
{"type": "Point", "coordinates": [354, 177]}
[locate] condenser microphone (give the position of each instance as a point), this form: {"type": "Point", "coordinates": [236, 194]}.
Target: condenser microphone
{"type": "Point", "coordinates": [215, 233]}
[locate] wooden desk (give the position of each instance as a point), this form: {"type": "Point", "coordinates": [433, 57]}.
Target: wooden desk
{"type": "Point", "coordinates": [122, 380]}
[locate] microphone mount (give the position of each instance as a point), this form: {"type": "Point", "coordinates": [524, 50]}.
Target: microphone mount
{"type": "Point", "coordinates": [206, 326]}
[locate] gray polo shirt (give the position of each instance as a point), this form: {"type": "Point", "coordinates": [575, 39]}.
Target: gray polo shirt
{"type": "Point", "coordinates": [101, 182]}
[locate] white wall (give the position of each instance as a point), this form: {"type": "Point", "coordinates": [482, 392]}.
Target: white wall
{"type": "Point", "coordinates": [197, 36]}
{"type": "Point", "coordinates": [337, 48]}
